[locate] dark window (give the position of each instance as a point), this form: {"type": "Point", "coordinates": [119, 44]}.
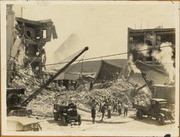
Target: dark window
{"type": "Point", "coordinates": [28, 33]}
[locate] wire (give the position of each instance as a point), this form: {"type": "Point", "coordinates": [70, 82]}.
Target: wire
{"type": "Point", "coordinates": [76, 61]}
{"type": "Point", "coordinates": [73, 66]}
{"type": "Point", "coordinates": [66, 60]}
{"type": "Point", "coordinates": [111, 55]}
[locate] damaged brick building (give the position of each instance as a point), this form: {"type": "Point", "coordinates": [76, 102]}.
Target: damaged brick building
{"type": "Point", "coordinates": [34, 36]}
{"type": "Point", "coordinates": [153, 38]}
{"type": "Point", "coordinates": [26, 41]}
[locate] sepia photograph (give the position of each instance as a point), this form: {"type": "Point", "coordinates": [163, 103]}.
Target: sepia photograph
{"type": "Point", "coordinates": [89, 68]}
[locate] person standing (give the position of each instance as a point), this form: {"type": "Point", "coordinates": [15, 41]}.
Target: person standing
{"type": "Point", "coordinates": [93, 110]}
{"type": "Point", "coordinates": [91, 85]}
{"type": "Point", "coordinates": [125, 110]}
{"type": "Point", "coordinates": [119, 108]}
{"type": "Point", "coordinates": [100, 105]}
{"type": "Point", "coordinates": [109, 111]}
{"type": "Point", "coordinates": [115, 106]}
{"type": "Point", "coordinates": [103, 108]}
{"type": "Point", "coordinates": [93, 114]}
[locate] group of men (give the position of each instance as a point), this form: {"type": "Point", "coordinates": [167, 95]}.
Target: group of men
{"type": "Point", "coordinates": [108, 106]}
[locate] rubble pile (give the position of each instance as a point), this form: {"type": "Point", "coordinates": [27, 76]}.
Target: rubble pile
{"type": "Point", "coordinates": [42, 104]}
{"type": "Point", "coordinates": [120, 90]}
{"type": "Point", "coordinates": [143, 97]}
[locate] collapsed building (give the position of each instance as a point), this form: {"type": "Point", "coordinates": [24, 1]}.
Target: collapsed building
{"type": "Point", "coordinates": [92, 71]}
{"type": "Point", "coordinates": [151, 54]}
{"type": "Point", "coordinates": [29, 53]}
{"type": "Point", "coordinates": [26, 41]}
{"type": "Point", "coordinates": [26, 58]}
{"type": "Point", "coordinates": [34, 35]}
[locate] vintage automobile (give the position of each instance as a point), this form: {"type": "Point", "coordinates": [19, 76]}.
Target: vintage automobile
{"type": "Point", "coordinates": [156, 109]}
{"type": "Point", "coordinates": [14, 100]}
{"type": "Point", "coordinates": [68, 114]}
{"type": "Point", "coordinates": [16, 123]}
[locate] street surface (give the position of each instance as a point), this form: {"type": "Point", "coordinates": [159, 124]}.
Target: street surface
{"type": "Point", "coordinates": [117, 125]}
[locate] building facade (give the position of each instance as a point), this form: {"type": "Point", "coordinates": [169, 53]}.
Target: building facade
{"type": "Point", "coordinates": [141, 39]}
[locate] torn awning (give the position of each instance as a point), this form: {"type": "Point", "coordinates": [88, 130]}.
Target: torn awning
{"type": "Point", "coordinates": [93, 70]}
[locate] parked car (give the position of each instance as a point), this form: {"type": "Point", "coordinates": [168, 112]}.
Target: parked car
{"type": "Point", "coordinates": [157, 109]}
{"type": "Point", "coordinates": [67, 114]}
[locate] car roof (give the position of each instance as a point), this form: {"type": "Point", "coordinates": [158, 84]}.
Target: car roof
{"type": "Point", "coordinates": [159, 99]}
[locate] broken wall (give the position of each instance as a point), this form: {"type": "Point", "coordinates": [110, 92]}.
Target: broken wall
{"type": "Point", "coordinates": [9, 37]}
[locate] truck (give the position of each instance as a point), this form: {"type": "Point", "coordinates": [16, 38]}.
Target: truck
{"type": "Point", "coordinates": [156, 109]}
{"type": "Point", "coordinates": [67, 114]}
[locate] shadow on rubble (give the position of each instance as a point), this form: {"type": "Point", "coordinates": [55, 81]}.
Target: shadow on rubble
{"type": "Point", "coordinates": [150, 121]}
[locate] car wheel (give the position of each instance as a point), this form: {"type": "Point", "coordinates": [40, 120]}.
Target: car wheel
{"type": "Point", "coordinates": [79, 120]}
{"type": "Point", "coordinates": [161, 119]}
{"type": "Point", "coordinates": [36, 127]}
{"type": "Point", "coordinates": [172, 117]}
{"type": "Point", "coordinates": [56, 116]}
{"type": "Point", "coordinates": [64, 121]}
{"type": "Point", "coordinates": [139, 114]}
{"type": "Point", "coordinates": [29, 112]}
{"type": "Point", "coordinates": [172, 120]}
{"type": "Point", "coordinates": [15, 113]}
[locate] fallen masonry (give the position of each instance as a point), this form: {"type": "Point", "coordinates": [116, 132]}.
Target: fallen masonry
{"type": "Point", "coordinates": [42, 104]}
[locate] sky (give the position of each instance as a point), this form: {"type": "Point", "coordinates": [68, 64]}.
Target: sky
{"type": "Point", "coordinates": [102, 27]}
